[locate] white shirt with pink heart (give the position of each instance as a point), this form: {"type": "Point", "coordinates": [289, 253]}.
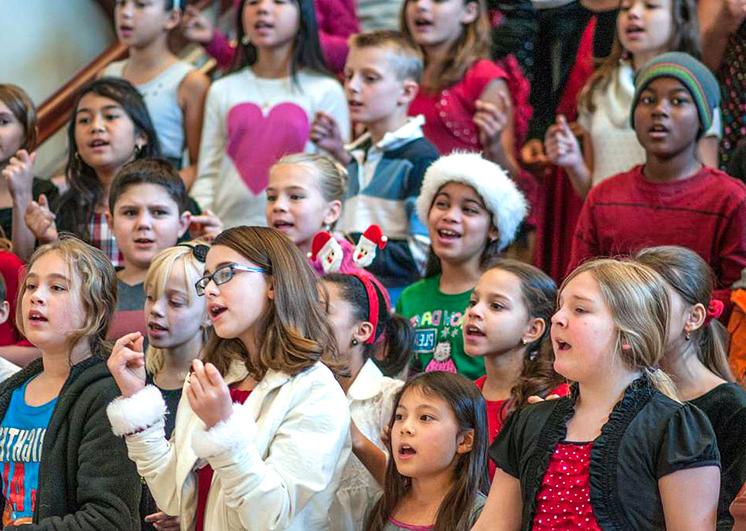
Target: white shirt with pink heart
{"type": "Point", "coordinates": [249, 124]}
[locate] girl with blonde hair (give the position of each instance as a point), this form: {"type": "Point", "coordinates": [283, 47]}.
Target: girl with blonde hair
{"type": "Point", "coordinates": [177, 328]}
{"type": "Point", "coordinates": [63, 468]}
{"type": "Point", "coordinates": [621, 449]}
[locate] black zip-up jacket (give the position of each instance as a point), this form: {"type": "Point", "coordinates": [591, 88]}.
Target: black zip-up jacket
{"type": "Point", "coordinates": [86, 481]}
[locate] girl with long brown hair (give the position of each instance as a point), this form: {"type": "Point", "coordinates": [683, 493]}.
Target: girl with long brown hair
{"type": "Point", "coordinates": [465, 98]}
{"type": "Point", "coordinates": [260, 440]}
{"type": "Point", "coordinates": [435, 477]}
{"type": "Point", "coordinates": [507, 324]}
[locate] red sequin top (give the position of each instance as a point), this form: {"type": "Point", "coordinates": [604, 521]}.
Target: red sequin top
{"type": "Point", "coordinates": [564, 499]}
{"type": "Point", "coordinates": [204, 474]}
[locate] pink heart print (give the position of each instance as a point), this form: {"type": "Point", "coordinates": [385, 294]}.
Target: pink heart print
{"type": "Point", "coordinates": [256, 141]}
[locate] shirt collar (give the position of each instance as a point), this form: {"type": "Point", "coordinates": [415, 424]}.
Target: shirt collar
{"type": "Point", "coordinates": [367, 384]}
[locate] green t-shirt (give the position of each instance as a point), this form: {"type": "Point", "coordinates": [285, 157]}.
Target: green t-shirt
{"type": "Point", "coordinates": [437, 319]}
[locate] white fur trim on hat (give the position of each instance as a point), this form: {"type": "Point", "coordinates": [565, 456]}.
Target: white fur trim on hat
{"type": "Point", "coordinates": [498, 192]}
{"type": "Point", "coordinates": [137, 412]}
{"type": "Point", "coordinates": [226, 435]}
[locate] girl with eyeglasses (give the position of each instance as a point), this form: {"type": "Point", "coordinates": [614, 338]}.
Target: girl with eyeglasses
{"type": "Point", "coordinates": [260, 441]}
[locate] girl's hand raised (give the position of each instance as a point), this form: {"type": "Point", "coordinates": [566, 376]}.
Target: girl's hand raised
{"type": "Point", "coordinates": [326, 135]}
{"type": "Point", "coordinates": [562, 146]}
{"type": "Point", "coordinates": [208, 394]}
{"type": "Point", "coordinates": [206, 226]}
{"type": "Point", "coordinates": [127, 364]}
{"type": "Point", "coordinates": [491, 120]}
{"type": "Point", "coordinates": [19, 173]}
{"type": "Point", "coordinates": [40, 220]}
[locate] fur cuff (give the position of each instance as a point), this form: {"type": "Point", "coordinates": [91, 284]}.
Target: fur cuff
{"type": "Point", "coordinates": [136, 413]}
{"type": "Point", "coordinates": [226, 435]}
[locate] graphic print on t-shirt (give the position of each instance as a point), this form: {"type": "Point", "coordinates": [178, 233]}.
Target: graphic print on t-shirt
{"type": "Point", "coordinates": [437, 341]}
{"type": "Point", "coordinates": [22, 434]}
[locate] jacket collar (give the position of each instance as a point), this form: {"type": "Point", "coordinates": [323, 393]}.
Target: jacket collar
{"type": "Point", "coordinates": [367, 384]}
{"type": "Point", "coordinates": [393, 139]}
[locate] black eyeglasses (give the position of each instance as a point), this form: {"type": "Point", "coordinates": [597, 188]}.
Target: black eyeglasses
{"type": "Point", "coordinates": [222, 275]}
{"type": "Point", "coordinates": [199, 251]}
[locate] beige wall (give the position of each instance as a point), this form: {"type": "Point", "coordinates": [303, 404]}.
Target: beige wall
{"type": "Point", "coordinates": [43, 43]}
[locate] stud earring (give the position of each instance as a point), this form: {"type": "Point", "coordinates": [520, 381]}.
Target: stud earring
{"type": "Point", "coordinates": [355, 342]}
{"type": "Point", "coordinates": [245, 40]}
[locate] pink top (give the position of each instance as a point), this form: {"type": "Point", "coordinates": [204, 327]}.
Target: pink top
{"type": "Point", "coordinates": [402, 525]}
{"type": "Point", "coordinates": [564, 499]}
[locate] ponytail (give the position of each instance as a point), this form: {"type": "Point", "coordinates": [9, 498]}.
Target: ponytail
{"type": "Point", "coordinates": [397, 346]}
{"type": "Point", "coordinates": [714, 341]}
{"type": "Point", "coordinates": [662, 382]}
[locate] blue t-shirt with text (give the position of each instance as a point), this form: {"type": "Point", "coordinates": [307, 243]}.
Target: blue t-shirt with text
{"type": "Point", "coordinates": [21, 438]}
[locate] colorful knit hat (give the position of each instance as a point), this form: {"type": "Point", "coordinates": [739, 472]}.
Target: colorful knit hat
{"type": "Point", "coordinates": [695, 76]}
{"type": "Point", "coordinates": [500, 195]}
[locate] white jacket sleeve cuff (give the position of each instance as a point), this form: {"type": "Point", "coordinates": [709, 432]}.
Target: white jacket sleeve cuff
{"type": "Point", "coordinates": [225, 436]}
{"type": "Point", "coordinates": [137, 412]}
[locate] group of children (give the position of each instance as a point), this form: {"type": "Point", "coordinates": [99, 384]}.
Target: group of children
{"type": "Point", "coordinates": [354, 350]}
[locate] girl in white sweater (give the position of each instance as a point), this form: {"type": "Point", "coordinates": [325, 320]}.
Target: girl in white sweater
{"type": "Point", "coordinates": [262, 436]}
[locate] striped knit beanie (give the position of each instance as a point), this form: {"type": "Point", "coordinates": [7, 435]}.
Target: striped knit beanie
{"type": "Point", "coordinates": [695, 76]}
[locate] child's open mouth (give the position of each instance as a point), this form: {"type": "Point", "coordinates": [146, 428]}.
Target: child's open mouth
{"type": "Point", "coordinates": [283, 226]}
{"type": "Point", "coordinates": [422, 23]}
{"type": "Point", "coordinates": [634, 30]}
{"type": "Point", "coordinates": [156, 330]}
{"type": "Point", "coordinates": [37, 316]}
{"type": "Point", "coordinates": [473, 331]}
{"type": "Point", "coordinates": [216, 311]}
{"type": "Point", "coordinates": [447, 234]}
{"type": "Point", "coordinates": [658, 131]}
{"type": "Point", "coordinates": [562, 345]}
{"type": "Point", "coordinates": [406, 451]}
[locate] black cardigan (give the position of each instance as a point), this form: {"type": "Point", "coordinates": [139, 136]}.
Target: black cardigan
{"type": "Point", "coordinates": [647, 436]}
{"type": "Point", "coordinates": [86, 481]}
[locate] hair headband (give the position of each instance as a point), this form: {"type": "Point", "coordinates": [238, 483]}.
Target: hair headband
{"type": "Point", "coordinates": [373, 303]}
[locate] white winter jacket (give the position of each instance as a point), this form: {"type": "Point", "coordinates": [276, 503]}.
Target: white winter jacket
{"type": "Point", "coordinates": [277, 459]}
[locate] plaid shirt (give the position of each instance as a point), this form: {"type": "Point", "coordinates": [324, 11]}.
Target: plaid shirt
{"type": "Point", "coordinates": [103, 238]}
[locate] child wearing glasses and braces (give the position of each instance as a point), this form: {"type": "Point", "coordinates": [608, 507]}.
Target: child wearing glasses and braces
{"type": "Point", "coordinates": [260, 440]}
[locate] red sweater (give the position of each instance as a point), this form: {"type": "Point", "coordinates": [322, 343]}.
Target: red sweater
{"type": "Point", "coordinates": [705, 212]}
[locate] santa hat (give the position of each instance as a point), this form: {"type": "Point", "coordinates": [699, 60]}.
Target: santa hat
{"type": "Point", "coordinates": [320, 240]}
{"type": "Point", "coordinates": [374, 235]}
{"type": "Point", "coordinates": [500, 195]}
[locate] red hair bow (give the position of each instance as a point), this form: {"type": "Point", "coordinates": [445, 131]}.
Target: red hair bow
{"type": "Point", "coordinates": [715, 309]}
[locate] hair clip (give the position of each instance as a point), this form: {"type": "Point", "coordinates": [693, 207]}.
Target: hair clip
{"type": "Point", "coordinates": [714, 310]}
{"type": "Point", "coordinates": [199, 250]}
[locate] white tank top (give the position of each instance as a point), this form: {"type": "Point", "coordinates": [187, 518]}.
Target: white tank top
{"type": "Point", "coordinates": [161, 95]}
